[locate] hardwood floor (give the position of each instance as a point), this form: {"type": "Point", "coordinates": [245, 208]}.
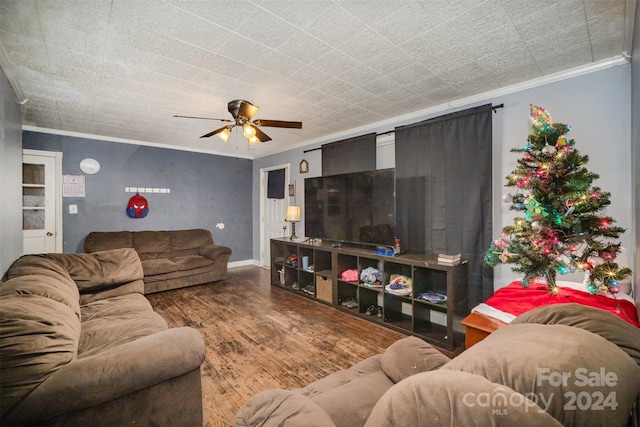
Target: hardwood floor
{"type": "Point", "coordinates": [258, 337]}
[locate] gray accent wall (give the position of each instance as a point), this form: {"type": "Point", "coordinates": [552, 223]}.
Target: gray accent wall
{"type": "Point", "coordinates": [10, 175]}
{"type": "Point", "coordinates": [206, 191]}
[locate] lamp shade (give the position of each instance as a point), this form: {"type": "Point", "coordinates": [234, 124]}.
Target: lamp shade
{"type": "Point", "coordinates": [225, 134]}
{"type": "Point", "coordinates": [293, 214]}
{"type": "Point", "coordinates": [248, 130]}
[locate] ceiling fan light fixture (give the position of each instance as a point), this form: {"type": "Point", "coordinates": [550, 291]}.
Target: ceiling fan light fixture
{"type": "Point", "coordinates": [242, 113]}
{"type": "Point", "coordinates": [248, 130]}
{"type": "Point", "coordinates": [225, 134]}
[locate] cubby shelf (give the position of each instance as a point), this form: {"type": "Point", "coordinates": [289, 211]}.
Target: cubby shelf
{"type": "Point", "coordinates": [435, 323]}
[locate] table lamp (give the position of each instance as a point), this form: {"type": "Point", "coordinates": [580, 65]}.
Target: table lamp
{"type": "Point", "coordinates": [293, 216]}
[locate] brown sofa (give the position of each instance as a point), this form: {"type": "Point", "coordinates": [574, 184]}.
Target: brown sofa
{"type": "Point", "coordinates": [170, 259]}
{"type": "Point", "coordinates": [565, 364]}
{"type": "Point", "coordinates": [81, 346]}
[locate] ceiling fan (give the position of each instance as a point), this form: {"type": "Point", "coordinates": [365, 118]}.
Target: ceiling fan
{"type": "Point", "coordinates": [242, 113]}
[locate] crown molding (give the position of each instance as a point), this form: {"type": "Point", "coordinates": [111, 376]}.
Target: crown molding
{"type": "Point", "coordinates": [126, 141]}
{"type": "Point", "coordinates": [9, 71]}
{"type": "Point", "coordinates": [629, 24]}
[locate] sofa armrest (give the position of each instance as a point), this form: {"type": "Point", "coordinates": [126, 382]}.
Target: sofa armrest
{"type": "Point", "coordinates": [116, 372]}
{"type": "Point", "coordinates": [213, 251]}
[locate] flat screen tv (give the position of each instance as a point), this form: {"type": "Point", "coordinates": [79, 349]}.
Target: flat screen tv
{"type": "Point", "coordinates": [355, 207]}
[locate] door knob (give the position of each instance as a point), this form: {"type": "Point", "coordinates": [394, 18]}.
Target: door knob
{"type": "Point", "coordinates": [49, 234]}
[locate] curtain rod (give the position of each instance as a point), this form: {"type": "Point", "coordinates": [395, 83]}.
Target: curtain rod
{"type": "Point", "coordinates": [494, 108]}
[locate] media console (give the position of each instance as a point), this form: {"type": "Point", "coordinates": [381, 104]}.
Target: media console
{"type": "Point", "coordinates": [438, 324]}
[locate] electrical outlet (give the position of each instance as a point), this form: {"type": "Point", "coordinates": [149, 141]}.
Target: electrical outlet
{"type": "Point", "coordinates": [73, 209]}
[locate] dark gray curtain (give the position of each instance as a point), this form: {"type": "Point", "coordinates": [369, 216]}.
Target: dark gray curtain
{"type": "Point", "coordinates": [356, 154]}
{"type": "Point", "coordinates": [443, 191]}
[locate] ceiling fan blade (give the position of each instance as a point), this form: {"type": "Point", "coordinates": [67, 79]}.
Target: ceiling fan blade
{"type": "Point", "coordinates": [215, 132]}
{"type": "Point", "coordinates": [278, 124]}
{"type": "Point", "coordinates": [204, 118]}
{"type": "Point", "coordinates": [247, 110]}
{"type": "Point", "coordinates": [263, 137]}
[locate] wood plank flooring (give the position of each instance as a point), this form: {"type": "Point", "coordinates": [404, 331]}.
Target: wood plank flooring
{"type": "Point", "coordinates": [258, 337]}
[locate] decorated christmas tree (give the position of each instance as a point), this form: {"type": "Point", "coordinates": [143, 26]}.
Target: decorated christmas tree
{"type": "Point", "coordinates": [563, 230]}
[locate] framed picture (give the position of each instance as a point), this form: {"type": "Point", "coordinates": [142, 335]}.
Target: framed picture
{"type": "Point", "coordinates": [292, 190]}
{"type": "Point", "coordinates": [304, 166]}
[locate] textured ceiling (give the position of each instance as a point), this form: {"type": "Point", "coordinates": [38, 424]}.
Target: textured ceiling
{"type": "Point", "coordinates": [123, 68]}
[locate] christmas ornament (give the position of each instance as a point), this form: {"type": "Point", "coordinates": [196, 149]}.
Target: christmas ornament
{"type": "Point", "coordinates": [570, 209]}
{"type": "Point", "coordinates": [561, 142]}
{"type": "Point", "coordinates": [557, 218]}
{"type": "Point", "coordinates": [541, 119]}
{"type": "Point", "coordinates": [507, 198]}
{"type": "Point", "coordinates": [549, 150]}
{"type": "Point", "coordinates": [491, 258]}
{"type": "Point", "coordinates": [535, 211]}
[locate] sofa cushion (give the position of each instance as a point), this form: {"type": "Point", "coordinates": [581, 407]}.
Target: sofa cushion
{"type": "Point", "coordinates": [102, 270]}
{"type": "Point", "coordinates": [154, 267]}
{"type": "Point", "coordinates": [191, 262]}
{"type": "Point", "coordinates": [281, 408]}
{"type": "Point", "coordinates": [38, 335]}
{"type": "Point", "coordinates": [336, 379]}
{"type": "Point", "coordinates": [334, 393]}
{"type": "Point", "coordinates": [37, 264]}
{"type": "Point", "coordinates": [105, 240]}
{"type": "Point", "coordinates": [601, 322]}
{"type": "Point", "coordinates": [38, 275]}
{"type": "Point", "coordinates": [554, 365]}
{"type": "Point", "coordinates": [451, 398]}
{"type": "Point", "coordinates": [110, 322]}
{"type": "Point", "coordinates": [146, 242]}
{"type": "Point", "coordinates": [189, 239]}
{"type": "Point", "coordinates": [410, 356]}
{"type": "Point", "coordinates": [340, 405]}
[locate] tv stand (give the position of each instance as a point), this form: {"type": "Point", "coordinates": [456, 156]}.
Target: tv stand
{"type": "Point", "coordinates": [438, 324]}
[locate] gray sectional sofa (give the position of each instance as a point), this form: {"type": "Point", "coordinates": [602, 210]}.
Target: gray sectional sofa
{"type": "Point", "coordinates": [170, 259]}
{"type": "Point", "coordinates": [80, 345]}
{"type": "Point", "coordinates": [565, 364]}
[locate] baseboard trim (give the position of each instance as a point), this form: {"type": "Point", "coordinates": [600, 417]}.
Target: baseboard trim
{"type": "Point", "coordinates": [242, 263]}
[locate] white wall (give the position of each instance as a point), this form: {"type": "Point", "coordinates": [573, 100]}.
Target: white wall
{"type": "Point", "coordinates": [596, 105]}
{"type": "Point", "coordinates": [11, 176]}
{"type": "Point", "coordinates": [635, 143]}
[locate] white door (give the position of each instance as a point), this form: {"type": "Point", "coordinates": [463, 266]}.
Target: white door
{"type": "Point", "coordinates": [41, 202]}
{"type": "Point", "coordinates": [273, 212]}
